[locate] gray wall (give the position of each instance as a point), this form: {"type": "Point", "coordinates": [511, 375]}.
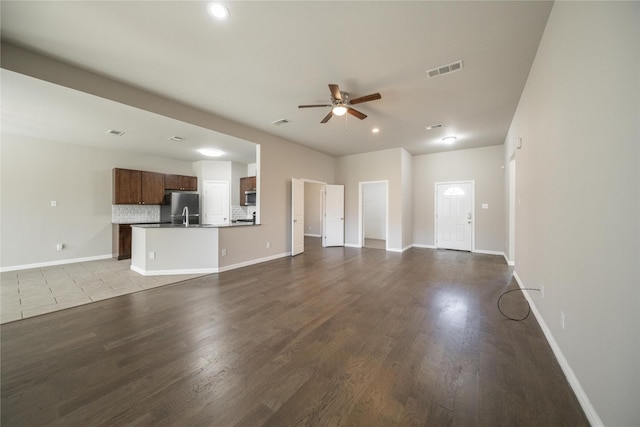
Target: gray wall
{"type": "Point", "coordinates": [577, 199]}
{"type": "Point", "coordinates": [482, 165]}
{"type": "Point", "coordinates": [376, 166]}
{"type": "Point", "coordinates": [35, 172]}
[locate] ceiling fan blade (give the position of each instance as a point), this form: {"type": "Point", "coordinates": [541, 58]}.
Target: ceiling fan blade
{"type": "Point", "coordinates": [335, 92]}
{"type": "Point", "coordinates": [313, 106]}
{"type": "Point", "coordinates": [327, 117]}
{"type": "Point", "coordinates": [356, 113]}
{"type": "Point", "coordinates": [366, 98]}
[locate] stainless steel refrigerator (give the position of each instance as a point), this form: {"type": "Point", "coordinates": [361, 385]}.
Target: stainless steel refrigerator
{"type": "Point", "coordinates": [173, 210]}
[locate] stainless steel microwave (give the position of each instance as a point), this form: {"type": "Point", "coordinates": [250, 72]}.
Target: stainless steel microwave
{"type": "Point", "coordinates": [250, 198]}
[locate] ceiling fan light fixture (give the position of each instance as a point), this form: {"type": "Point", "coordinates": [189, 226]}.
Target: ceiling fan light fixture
{"type": "Point", "coordinates": [340, 110]}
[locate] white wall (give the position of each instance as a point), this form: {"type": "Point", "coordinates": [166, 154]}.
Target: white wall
{"type": "Point", "coordinates": [374, 207]}
{"type": "Point", "coordinates": [578, 196]}
{"type": "Point", "coordinates": [481, 165]}
{"type": "Point", "coordinates": [35, 172]}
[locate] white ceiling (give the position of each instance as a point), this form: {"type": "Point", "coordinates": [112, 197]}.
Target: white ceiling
{"type": "Point", "coordinates": [43, 110]}
{"type": "Point", "coordinates": [270, 57]}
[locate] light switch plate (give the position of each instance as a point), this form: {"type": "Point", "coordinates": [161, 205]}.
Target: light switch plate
{"type": "Point", "coordinates": [485, 206]}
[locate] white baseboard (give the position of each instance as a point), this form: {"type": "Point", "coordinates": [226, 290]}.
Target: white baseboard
{"type": "Point", "coordinates": [482, 251]}
{"type": "Point", "coordinates": [52, 263]}
{"type": "Point", "coordinates": [588, 408]}
{"type": "Point", "coordinates": [252, 262]}
{"type": "Point", "coordinates": [351, 245]}
{"type": "Point", "coordinates": [208, 270]}
{"type": "Point", "coordinates": [173, 272]}
{"type": "Point", "coordinates": [312, 235]}
{"type": "Point", "coordinates": [418, 245]}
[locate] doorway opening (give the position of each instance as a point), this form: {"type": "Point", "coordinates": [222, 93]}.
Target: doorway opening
{"type": "Point", "coordinates": [317, 210]}
{"type": "Point", "coordinates": [374, 214]}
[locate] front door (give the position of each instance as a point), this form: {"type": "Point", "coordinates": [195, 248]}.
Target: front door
{"type": "Point", "coordinates": [454, 215]}
{"type": "Point", "coordinates": [216, 202]}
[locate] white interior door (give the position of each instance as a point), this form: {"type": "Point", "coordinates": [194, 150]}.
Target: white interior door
{"type": "Point", "coordinates": [297, 216]}
{"type": "Point", "coordinates": [216, 202]}
{"type": "Point", "coordinates": [454, 215]}
{"type": "Point", "coordinates": [333, 218]}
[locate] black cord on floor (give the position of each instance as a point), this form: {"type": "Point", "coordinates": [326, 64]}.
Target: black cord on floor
{"type": "Point", "coordinates": [528, 306]}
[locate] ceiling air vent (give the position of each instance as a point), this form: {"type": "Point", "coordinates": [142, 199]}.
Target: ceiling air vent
{"type": "Point", "coordinates": [177, 139]}
{"type": "Point", "coordinates": [439, 125]}
{"type": "Point", "coordinates": [280, 122]}
{"type": "Point", "coordinates": [445, 69]}
{"type": "Point", "coordinates": [115, 132]}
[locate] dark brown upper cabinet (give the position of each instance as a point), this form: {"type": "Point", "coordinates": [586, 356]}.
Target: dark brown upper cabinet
{"type": "Point", "coordinates": [180, 182]}
{"type": "Point", "coordinates": [133, 187]}
{"type": "Point", "coordinates": [246, 184]}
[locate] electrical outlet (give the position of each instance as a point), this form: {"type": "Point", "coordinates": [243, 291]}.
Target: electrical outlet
{"type": "Point", "coordinates": [152, 255]}
{"type": "Point", "coordinates": [59, 246]}
{"type": "Point", "coordinates": [542, 290]}
{"type": "Point", "coordinates": [562, 319]}
{"type": "Point", "coordinates": [268, 245]}
{"type": "Point", "coordinates": [224, 252]}
{"type": "Point", "coordinates": [54, 203]}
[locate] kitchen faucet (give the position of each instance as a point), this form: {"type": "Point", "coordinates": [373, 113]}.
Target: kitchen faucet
{"type": "Point", "coordinates": [185, 212]}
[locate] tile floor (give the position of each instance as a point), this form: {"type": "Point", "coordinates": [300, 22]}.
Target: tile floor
{"type": "Point", "coordinates": [28, 293]}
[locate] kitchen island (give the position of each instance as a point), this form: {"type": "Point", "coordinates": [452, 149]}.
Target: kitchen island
{"type": "Point", "coordinates": [162, 249]}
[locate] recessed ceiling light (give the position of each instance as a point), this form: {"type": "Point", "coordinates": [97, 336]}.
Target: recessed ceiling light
{"type": "Point", "coordinates": [375, 130]}
{"type": "Point", "coordinates": [210, 152]}
{"type": "Point", "coordinates": [449, 139]}
{"type": "Point", "coordinates": [218, 11]}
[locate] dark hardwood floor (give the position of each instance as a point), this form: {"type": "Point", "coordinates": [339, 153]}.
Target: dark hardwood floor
{"type": "Point", "coordinates": [337, 336]}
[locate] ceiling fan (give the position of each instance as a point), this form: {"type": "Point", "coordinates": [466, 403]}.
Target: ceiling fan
{"type": "Point", "coordinates": [341, 104]}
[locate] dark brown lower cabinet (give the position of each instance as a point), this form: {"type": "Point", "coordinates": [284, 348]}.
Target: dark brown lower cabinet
{"type": "Point", "coordinates": [121, 245]}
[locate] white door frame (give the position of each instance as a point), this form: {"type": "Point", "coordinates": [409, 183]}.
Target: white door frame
{"type": "Point", "coordinates": [361, 211]}
{"type": "Point", "coordinates": [473, 211]}
{"type": "Point", "coordinates": [304, 181]}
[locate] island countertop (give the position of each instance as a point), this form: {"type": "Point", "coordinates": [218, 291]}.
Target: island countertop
{"type": "Point", "coordinates": [174, 226]}
{"type": "Point", "coordinates": [159, 249]}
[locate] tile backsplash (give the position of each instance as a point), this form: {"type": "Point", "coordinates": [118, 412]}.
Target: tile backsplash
{"type": "Point", "coordinates": [131, 214]}
{"type": "Point", "coordinates": [242, 212]}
